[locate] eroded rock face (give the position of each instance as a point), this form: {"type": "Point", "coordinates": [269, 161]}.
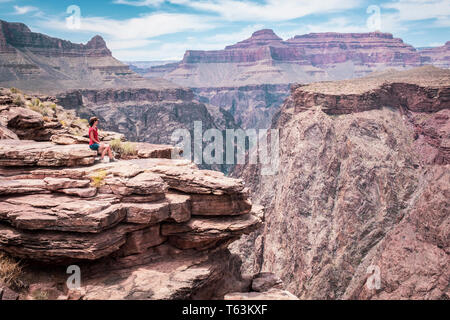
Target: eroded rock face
{"type": "Point", "coordinates": [37, 62]}
{"type": "Point", "coordinates": [437, 56]}
{"type": "Point", "coordinates": [358, 187]}
{"type": "Point", "coordinates": [132, 193]}
{"type": "Point", "coordinates": [266, 58]}
{"type": "Point", "coordinates": [160, 227]}
{"type": "Point", "coordinates": [251, 106]}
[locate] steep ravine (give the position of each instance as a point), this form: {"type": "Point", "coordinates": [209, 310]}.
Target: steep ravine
{"type": "Point", "coordinates": [363, 181]}
{"type": "Point", "coordinates": [251, 106]}
{"type": "Point", "coordinates": [148, 115]}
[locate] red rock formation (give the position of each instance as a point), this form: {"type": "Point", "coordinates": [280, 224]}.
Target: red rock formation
{"type": "Point", "coordinates": [361, 48]}
{"type": "Point", "coordinates": [439, 56]}
{"type": "Point", "coordinates": [20, 36]}
{"type": "Point", "coordinates": [39, 63]}
{"type": "Point", "coordinates": [258, 39]}
{"type": "Point", "coordinates": [159, 227]}
{"type": "Point", "coordinates": [358, 187]}
{"type": "Point", "coordinates": [266, 58]}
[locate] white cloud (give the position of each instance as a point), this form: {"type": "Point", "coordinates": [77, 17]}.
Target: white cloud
{"type": "Point", "coordinates": [140, 28]}
{"type": "Point", "coordinates": [271, 10]}
{"type": "Point", "coordinates": [408, 12]}
{"type": "Point", "coordinates": [128, 44]}
{"type": "Point", "coordinates": [140, 3]}
{"type": "Point", "coordinates": [225, 39]}
{"type": "Point", "coordinates": [341, 24]}
{"type": "Point", "coordinates": [245, 10]}
{"type": "Point", "coordinates": [24, 9]}
{"type": "Point", "coordinates": [414, 10]}
{"type": "Point", "coordinates": [128, 39]}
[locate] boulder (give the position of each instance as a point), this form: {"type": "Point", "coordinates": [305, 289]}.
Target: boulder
{"type": "Point", "coordinates": [5, 133]}
{"type": "Point", "coordinates": [146, 213]}
{"type": "Point", "coordinates": [65, 139]}
{"type": "Point", "coordinates": [265, 281]}
{"type": "Point", "coordinates": [180, 206]}
{"type": "Point", "coordinates": [45, 154]}
{"type": "Point", "coordinates": [63, 213]}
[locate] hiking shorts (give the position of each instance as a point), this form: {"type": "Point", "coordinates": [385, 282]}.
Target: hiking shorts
{"type": "Point", "coordinates": [94, 146]}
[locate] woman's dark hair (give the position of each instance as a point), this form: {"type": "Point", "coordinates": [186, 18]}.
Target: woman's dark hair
{"type": "Point", "coordinates": [92, 121]}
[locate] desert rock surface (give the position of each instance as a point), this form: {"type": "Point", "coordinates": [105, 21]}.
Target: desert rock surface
{"type": "Point", "coordinates": [363, 183]}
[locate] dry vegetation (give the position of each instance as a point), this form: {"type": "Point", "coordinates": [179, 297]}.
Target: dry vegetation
{"type": "Point", "coordinates": [50, 111]}
{"type": "Point", "coordinates": [123, 148]}
{"type": "Point", "coordinates": [10, 271]}
{"type": "Point", "coordinates": [98, 178]}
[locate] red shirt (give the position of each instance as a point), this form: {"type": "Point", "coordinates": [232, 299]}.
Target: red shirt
{"type": "Point", "coordinates": [94, 130]}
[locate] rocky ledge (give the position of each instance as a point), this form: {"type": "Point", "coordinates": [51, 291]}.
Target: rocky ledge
{"type": "Point", "coordinates": [50, 213]}
{"type": "Point", "coordinates": [149, 227]}
{"type": "Point", "coordinates": [422, 95]}
{"type": "Point", "coordinates": [164, 215]}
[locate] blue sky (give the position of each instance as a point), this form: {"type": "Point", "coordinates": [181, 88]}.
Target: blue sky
{"type": "Point", "coordinates": [165, 29]}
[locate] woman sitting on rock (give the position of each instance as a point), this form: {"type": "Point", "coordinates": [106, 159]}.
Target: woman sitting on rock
{"type": "Point", "coordinates": [95, 144]}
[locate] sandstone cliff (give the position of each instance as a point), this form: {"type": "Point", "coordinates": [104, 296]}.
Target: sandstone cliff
{"type": "Point", "coordinates": [363, 183]}
{"type": "Point", "coordinates": [39, 63]}
{"type": "Point", "coordinates": [150, 227]}
{"type": "Point", "coordinates": [439, 56]}
{"type": "Point", "coordinates": [251, 78]}
{"type": "Point", "coordinates": [265, 58]}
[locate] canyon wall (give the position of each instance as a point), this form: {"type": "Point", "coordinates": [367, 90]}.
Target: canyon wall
{"type": "Point", "coordinates": [42, 64]}
{"type": "Point", "coordinates": [266, 58]}
{"type": "Point", "coordinates": [147, 227]}
{"type": "Point", "coordinates": [363, 185]}
{"type": "Point", "coordinates": [251, 78]}
{"type": "Point", "coordinates": [251, 106]}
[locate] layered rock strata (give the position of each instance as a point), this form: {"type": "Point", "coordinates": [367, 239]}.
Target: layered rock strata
{"type": "Point", "coordinates": [361, 191]}
{"type": "Point", "coordinates": [39, 63]}
{"type": "Point", "coordinates": [158, 226]}
{"type": "Point", "coordinates": [265, 58]}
